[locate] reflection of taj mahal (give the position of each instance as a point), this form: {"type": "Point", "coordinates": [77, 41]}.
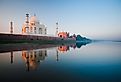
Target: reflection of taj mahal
{"type": "Point", "coordinates": [33, 26]}
{"type": "Point", "coordinates": [33, 58]}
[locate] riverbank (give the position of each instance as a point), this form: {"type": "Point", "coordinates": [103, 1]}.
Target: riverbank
{"type": "Point", "coordinates": [19, 38]}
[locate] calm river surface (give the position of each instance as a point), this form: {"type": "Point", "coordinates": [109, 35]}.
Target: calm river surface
{"type": "Point", "coordinates": [94, 62]}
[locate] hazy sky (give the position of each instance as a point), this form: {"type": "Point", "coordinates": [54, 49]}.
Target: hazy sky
{"type": "Point", "coordinates": [97, 19]}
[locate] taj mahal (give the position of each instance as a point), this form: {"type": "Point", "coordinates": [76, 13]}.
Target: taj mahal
{"type": "Point", "coordinates": [33, 26]}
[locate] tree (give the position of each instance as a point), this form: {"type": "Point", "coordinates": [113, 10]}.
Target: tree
{"type": "Point", "coordinates": [79, 37]}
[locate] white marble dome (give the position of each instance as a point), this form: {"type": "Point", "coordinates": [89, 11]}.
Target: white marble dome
{"type": "Point", "coordinates": [34, 19]}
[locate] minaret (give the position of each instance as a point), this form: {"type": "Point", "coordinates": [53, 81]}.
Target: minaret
{"type": "Point", "coordinates": [27, 23]}
{"type": "Point", "coordinates": [11, 27]}
{"type": "Point", "coordinates": [56, 29]}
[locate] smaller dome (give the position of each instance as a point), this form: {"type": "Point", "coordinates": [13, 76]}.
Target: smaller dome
{"type": "Point", "coordinates": [34, 19]}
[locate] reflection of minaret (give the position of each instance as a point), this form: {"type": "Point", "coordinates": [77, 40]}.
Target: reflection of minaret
{"type": "Point", "coordinates": [27, 62]}
{"type": "Point", "coordinates": [57, 58]}
{"type": "Point", "coordinates": [11, 57]}
{"type": "Point", "coordinates": [56, 29]}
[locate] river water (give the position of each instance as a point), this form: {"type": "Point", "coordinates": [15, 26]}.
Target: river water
{"type": "Point", "coordinates": [94, 62]}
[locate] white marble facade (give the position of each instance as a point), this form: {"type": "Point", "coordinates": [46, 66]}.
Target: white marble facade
{"type": "Point", "coordinates": [34, 27]}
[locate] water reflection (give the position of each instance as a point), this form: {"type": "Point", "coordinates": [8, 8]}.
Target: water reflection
{"type": "Point", "coordinates": [65, 48]}
{"type": "Point", "coordinates": [11, 57]}
{"type": "Point", "coordinates": [79, 45]}
{"type": "Point", "coordinates": [97, 62]}
{"type": "Point", "coordinates": [33, 58]}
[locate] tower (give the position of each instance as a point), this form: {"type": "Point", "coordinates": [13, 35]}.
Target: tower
{"type": "Point", "coordinates": [27, 23]}
{"type": "Point", "coordinates": [11, 27]}
{"type": "Point", "coordinates": [56, 29]}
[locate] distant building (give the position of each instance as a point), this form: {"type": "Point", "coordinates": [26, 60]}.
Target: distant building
{"type": "Point", "coordinates": [63, 34]}
{"type": "Point", "coordinates": [33, 26]}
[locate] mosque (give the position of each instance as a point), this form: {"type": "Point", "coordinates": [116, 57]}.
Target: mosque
{"type": "Point", "coordinates": [33, 26]}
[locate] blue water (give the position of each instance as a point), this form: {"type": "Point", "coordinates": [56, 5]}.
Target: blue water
{"type": "Point", "coordinates": [94, 62]}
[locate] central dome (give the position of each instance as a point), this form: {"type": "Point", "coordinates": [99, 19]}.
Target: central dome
{"type": "Point", "coordinates": [34, 19]}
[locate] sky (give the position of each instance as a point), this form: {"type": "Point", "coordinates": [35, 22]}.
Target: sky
{"type": "Point", "coordinates": [95, 19]}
